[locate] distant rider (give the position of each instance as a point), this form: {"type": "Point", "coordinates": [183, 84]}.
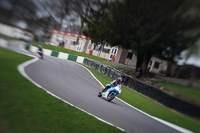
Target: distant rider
{"type": "Point", "coordinates": [40, 51]}
{"type": "Point", "coordinates": [114, 84]}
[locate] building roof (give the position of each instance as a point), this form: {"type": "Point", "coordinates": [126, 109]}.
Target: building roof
{"type": "Point", "coordinates": [69, 34]}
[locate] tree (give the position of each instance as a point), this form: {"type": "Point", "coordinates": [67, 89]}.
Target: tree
{"type": "Point", "coordinates": [42, 14]}
{"type": "Point", "coordinates": [96, 30]}
{"type": "Point", "coordinates": [159, 28]}
{"type": "Point", "coordinates": [17, 10]}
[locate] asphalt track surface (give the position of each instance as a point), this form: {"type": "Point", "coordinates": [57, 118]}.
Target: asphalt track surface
{"type": "Point", "coordinates": [76, 85]}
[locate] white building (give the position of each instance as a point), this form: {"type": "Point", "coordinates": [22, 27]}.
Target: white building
{"type": "Point", "coordinates": [120, 55]}
{"type": "Point", "coordinates": [70, 40]}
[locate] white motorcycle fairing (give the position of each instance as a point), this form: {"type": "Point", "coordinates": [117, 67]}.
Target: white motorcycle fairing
{"type": "Point", "coordinates": [112, 91]}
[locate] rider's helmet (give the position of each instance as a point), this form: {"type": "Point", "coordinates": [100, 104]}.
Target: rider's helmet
{"type": "Point", "coordinates": [119, 80]}
{"type": "Point", "coordinates": [39, 47]}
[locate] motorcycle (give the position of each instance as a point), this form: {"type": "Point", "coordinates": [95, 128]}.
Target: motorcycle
{"type": "Point", "coordinates": [40, 52]}
{"type": "Point", "coordinates": [110, 93]}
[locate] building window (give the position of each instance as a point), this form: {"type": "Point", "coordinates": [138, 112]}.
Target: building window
{"type": "Point", "coordinates": [90, 46]}
{"type": "Point", "coordinates": [97, 47]}
{"type": "Point", "coordinates": [150, 63]}
{"type": "Point", "coordinates": [156, 65]}
{"type": "Point", "coordinates": [54, 38]}
{"type": "Point", "coordinates": [106, 49]}
{"type": "Point", "coordinates": [73, 42]}
{"type": "Point", "coordinates": [65, 41]}
{"type": "Point", "coordinates": [130, 55]}
{"type": "Point", "coordinates": [115, 52]}
{"type": "Point", "coordinates": [59, 39]}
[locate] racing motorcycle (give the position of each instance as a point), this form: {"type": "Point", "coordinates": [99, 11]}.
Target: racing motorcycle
{"type": "Point", "coordinates": [110, 93]}
{"type": "Point", "coordinates": [40, 52]}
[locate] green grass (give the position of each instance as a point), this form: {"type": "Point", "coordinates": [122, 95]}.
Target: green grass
{"type": "Point", "coordinates": [198, 81]}
{"type": "Point", "coordinates": [150, 106]}
{"type": "Point", "coordinates": [72, 52]}
{"type": "Point", "coordinates": [27, 108]}
{"type": "Point", "coordinates": [139, 101]}
{"type": "Point", "coordinates": [188, 92]}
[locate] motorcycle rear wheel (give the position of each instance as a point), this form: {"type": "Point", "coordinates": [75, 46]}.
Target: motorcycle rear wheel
{"type": "Point", "coordinates": [99, 94]}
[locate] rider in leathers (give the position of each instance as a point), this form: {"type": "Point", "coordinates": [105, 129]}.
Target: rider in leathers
{"type": "Point", "coordinates": [114, 84]}
{"type": "Point", "coordinates": [40, 51]}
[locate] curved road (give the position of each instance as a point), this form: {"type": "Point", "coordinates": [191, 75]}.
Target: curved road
{"type": "Point", "coordinates": [75, 84]}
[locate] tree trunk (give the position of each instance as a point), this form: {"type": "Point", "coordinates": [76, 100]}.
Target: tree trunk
{"type": "Point", "coordinates": [138, 70]}
{"type": "Point", "coordinates": [147, 58]}
{"type": "Point", "coordinates": [140, 58]}
{"type": "Point", "coordinates": [79, 33]}
{"type": "Point", "coordinates": [143, 59]}
{"type": "Point", "coordinates": [192, 76]}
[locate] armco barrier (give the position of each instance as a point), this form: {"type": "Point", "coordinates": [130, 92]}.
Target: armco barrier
{"type": "Point", "coordinates": [54, 53]}
{"type": "Point", "coordinates": [27, 47]}
{"type": "Point", "coordinates": [80, 59]}
{"type": "Point", "coordinates": [63, 55]}
{"type": "Point", "coordinates": [108, 71]}
{"type": "Point", "coordinates": [60, 55]}
{"type": "Point", "coordinates": [166, 99]}
{"type": "Point", "coordinates": [47, 52]}
{"type": "Point", "coordinates": [72, 57]}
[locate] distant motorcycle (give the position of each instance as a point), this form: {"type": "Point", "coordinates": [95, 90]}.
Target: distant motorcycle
{"type": "Point", "coordinates": [110, 93]}
{"type": "Point", "coordinates": [40, 52]}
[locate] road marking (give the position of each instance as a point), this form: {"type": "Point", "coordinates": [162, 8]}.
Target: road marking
{"type": "Point", "coordinates": [21, 69]}
{"type": "Point", "coordinates": [178, 128]}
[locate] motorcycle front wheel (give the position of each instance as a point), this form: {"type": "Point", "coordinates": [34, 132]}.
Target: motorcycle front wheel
{"type": "Point", "coordinates": [111, 96]}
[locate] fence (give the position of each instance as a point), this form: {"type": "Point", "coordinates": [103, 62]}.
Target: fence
{"type": "Point", "coordinates": [166, 99]}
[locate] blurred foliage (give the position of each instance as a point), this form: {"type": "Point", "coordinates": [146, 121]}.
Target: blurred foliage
{"type": "Point", "coordinates": [44, 15]}
{"type": "Point", "coordinates": [160, 28]}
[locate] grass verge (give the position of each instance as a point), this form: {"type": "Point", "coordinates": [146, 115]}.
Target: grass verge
{"type": "Point", "coordinates": [151, 107]}
{"type": "Point", "coordinates": [140, 101]}
{"type": "Point", "coordinates": [198, 81]}
{"type": "Point", "coordinates": [27, 108]}
{"type": "Point", "coordinates": [188, 92]}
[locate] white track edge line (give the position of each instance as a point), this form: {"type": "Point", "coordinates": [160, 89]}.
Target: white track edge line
{"type": "Point", "coordinates": [176, 127]}
{"type": "Point", "coordinates": [21, 70]}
